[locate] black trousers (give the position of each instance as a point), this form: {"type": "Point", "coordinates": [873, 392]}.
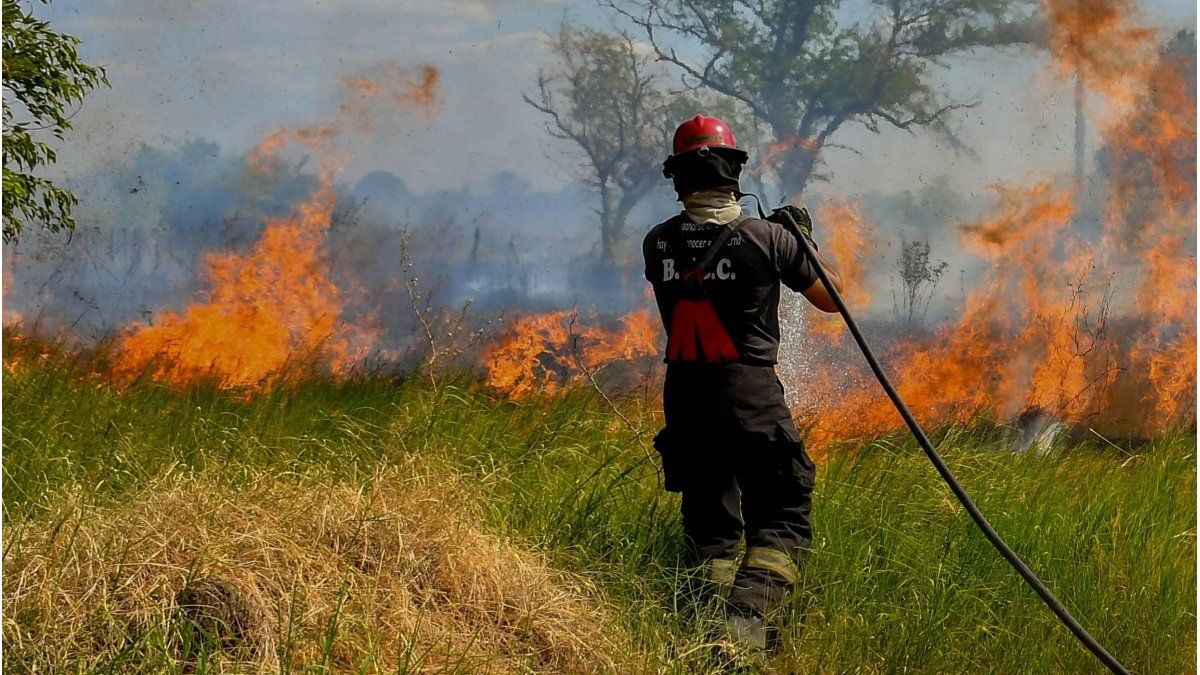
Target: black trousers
{"type": "Point", "coordinates": [768, 505]}
{"type": "Point", "coordinates": [741, 476]}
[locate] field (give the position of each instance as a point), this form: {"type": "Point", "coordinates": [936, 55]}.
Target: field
{"type": "Point", "coordinates": [381, 525]}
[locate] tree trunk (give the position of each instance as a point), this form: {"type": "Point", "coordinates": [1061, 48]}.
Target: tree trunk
{"type": "Point", "coordinates": [608, 225]}
{"type": "Point", "coordinates": [796, 169]}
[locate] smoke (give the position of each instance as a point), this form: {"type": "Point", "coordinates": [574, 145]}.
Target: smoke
{"type": "Point", "coordinates": [149, 222]}
{"type": "Point", "coordinates": [152, 223]}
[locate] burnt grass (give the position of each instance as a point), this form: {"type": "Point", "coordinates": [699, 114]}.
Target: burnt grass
{"type": "Point", "coordinates": [898, 578]}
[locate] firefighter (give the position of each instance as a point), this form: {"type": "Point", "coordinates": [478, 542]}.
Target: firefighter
{"type": "Point", "coordinates": [729, 445]}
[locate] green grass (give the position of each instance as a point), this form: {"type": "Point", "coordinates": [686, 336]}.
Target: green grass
{"type": "Point", "coordinates": [898, 580]}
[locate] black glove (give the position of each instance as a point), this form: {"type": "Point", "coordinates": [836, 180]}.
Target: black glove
{"type": "Point", "coordinates": [800, 215]}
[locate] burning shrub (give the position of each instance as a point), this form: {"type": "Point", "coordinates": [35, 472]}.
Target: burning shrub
{"type": "Point", "coordinates": [544, 353]}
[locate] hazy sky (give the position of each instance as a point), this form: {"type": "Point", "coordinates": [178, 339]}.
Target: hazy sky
{"type": "Point", "coordinates": [229, 71]}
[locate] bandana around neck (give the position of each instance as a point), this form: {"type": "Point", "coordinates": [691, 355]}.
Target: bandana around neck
{"type": "Point", "coordinates": [709, 208]}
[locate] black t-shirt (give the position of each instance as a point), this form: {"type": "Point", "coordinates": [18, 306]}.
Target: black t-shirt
{"type": "Point", "coordinates": [742, 282]}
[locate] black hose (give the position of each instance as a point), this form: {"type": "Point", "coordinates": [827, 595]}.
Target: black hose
{"type": "Point", "coordinates": [1013, 559]}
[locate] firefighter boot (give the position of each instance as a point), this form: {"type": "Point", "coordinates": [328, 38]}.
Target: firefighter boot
{"type": "Point", "coordinates": [746, 631]}
{"type": "Point", "coordinates": [741, 644]}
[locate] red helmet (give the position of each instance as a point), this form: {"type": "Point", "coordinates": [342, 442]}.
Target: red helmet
{"type": "Point", "coordinates": [701, 131]}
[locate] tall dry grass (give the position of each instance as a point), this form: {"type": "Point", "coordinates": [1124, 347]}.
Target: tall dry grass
{"type": "Point", "coordinates": [395, 575]}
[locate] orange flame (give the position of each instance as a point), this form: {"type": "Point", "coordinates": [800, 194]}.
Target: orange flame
{"type": "Point", "coordinates": [1043, 329]}
{"type": "Point", "coordinates": [543, 354]}
{"type": "Point", "coordinates": [1099, 41]}
{"type": "Point", "coordinates": [1155, 146]}
{"type": "Point", "coordinates": [940, 379]}
{"type": "Point", "coordinates": [273, 314]}
{"type": "Point", "coordinates": [388, 84]}
{"type": "Point", "coordinates": [848, 243]}
{"type": "Point", "coordinates": [269, 309]}
{"type": "Point", "coordinates": [780, 148]}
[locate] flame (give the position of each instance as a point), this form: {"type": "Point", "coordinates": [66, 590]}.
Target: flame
{"type": "Point", "coordinates": [781, 148]}
{"type": "Point", "coordinates": [847, 242]}
{"type": "Point", "coordinates": [543, 354]}
{"type": "Point", "coordinates": [401, 86]}
{"type": "Point", "coordinates": [1168, 347]}
{"type": "Point", "coordinates": [1100, 42]}
{"type": "Point", "coordinates": [939, 379]}
{"type": "Point", "coordinates": [387, 84]}
{"type": "Point", "coordinates": [269, 315]}
{"type": "Point", "coordinates": [273, 314]}
{"type": "Point", "coordinates": [1155, 146]}
{"type": "Point", "coordinates": [1045, 327]}
{"type": "Point", "coordinates": [1090, 320]}
{"type": "Point", "coordinates": [1099, 36]}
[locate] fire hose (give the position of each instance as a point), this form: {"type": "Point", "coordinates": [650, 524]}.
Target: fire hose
{"type": "Point", "coordinates": [996, 540]}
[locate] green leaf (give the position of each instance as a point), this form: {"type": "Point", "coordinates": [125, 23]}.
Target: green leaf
{"type": "Point", "coordinates": [42, 71]}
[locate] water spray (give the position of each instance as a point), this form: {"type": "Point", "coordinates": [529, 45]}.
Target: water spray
{"type": "Point", "coordinates": [996, 540]}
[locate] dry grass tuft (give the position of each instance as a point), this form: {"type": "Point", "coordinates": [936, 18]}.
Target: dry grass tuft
{"type": "Point", "coordinates": [294, 573]}
{"type": "Point", "coordinates": [215, 611]}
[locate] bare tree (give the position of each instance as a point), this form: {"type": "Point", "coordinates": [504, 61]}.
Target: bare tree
{"type": "Point", "coordinates": [805, 75]}
{"type": "Point", "coordinates": [603, 97]}
{"type": "Point", "coordinates": [918, 279]}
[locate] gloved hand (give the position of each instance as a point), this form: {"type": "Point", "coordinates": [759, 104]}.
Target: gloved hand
{"type": "Point", "coordinates": [800, 215]}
